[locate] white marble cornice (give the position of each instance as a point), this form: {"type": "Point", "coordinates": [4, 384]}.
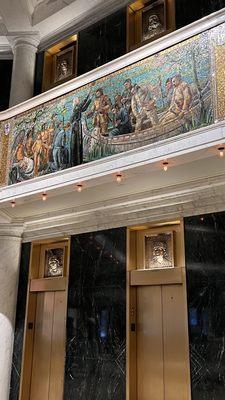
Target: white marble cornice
{"type": "Point", "coordinates": [127, 59]}
{"type": "Point", "coordinates": [190, 198]}
{"type": "Point", "coordinates": [6, 52]}
{"type": "Point", "coordinates": [81, 22]}
{"type": "Point", "coordinates": [12, 230]}
{"type": "Point", "coordinates": [24, 39]}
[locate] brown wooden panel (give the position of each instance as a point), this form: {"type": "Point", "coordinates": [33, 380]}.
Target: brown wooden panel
{"type": "Point", "coordinates": [176, 349]}
{"type": "Point", "coordinates": [42, 346]}
{"type": "Point", "coordinates": [131, 364]}
{"type": "Point", "coordinates": [58, 347]}
{"type": "Point", "coordinates": [48, 284]}
{"type": "Point", "coordinates": [156, 277]}
{"type": "Point", "coordinates": [149, 344]}
{"type": "Point", "coordinates": [28, 349]}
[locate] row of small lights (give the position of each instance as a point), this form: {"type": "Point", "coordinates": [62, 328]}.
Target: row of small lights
{"type": "Point", "coordinates": [79, 187]}
{"type": "Point", "coordinates": [119, 177]}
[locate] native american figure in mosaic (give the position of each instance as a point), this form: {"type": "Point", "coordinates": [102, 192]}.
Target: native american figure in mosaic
{"type": "Point", "coordinates": [164, 95]}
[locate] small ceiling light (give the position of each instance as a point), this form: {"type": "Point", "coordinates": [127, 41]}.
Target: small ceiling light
{"type": "Point", "coordinates": [221, 151]}
{"type": "Point", "coordinates": [165, 165]}
{"type": "Point", "coordinates": [13, 203]}
{"type": "Point", "coordinates": [44, 196]}
{"type": "Point", "coordinates": [79, 187]}
{"type": "Point", "coordinates": [119, 177]}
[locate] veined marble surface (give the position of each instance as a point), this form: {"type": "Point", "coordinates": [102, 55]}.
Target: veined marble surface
{"type": "Point", "coordinates": [205, 261]}
{"type": "Point", "coordinates": [96, 318]}
{"type": "Point", "coordinates": [19, 324]}
{"type": "Point", "coordinates": [9, 271]}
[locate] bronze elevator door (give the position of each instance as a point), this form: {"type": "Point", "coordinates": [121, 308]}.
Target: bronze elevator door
{"type": "Point", "coordinates": [49, 342]}
{"type": "Point", "coordinates": [43, 364]}
{"type": "Point", "coordinates": [162, 352]}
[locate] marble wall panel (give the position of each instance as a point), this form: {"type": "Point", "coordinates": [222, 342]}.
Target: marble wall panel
{"type": "Point", "coordinates": [96, 319]}
{"type": "Point", "coordinates": [188, 11]}
{"type": "Point", "coordinates": [19, 324]}
{"type": "Point", "coordinates": [205, 261]}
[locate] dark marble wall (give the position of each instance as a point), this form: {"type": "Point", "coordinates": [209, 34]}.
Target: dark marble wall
{"type": "Point", "coordinates": [39, 69]}
{"type": "Point", "coordinates": [205, 260]}
{"type": "Point", "coordinates": [102, 42]}
{"type": "Point", "coordinates": [5, 83]}
{"type": "Point", "coordinates": [96, 320]}
{"type": "Point", "coordinates": [188, 11]}
{"type": "Point", "coordinates": [19, 325]}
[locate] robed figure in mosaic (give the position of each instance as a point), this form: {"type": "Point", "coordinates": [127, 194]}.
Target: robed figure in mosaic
{"type": "Point", "coordinates": [79, 106]}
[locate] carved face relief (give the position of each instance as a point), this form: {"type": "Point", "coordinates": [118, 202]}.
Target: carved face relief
{"type": "Point", "coordinates": [54, 262]}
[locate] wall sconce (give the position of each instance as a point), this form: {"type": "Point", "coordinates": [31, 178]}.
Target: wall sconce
{"type": "Point", "coordinates": [165, 165]}
{"type": "Point", "coordinates": [13, 203]}
{"type": "Point", "coordinates": [119, 177]}
{"type": "Point", "coordinates": [79, 187]}
{"type": "Point", "coordinates": [44, 196]}
{"type": "Point", "coordinates": [221, 151]}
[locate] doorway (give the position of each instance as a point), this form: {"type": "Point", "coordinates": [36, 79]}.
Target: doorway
{"type": "Point", "coordinates": [45, 334]}
{"type": "Point", "coordinates": [157, 327]}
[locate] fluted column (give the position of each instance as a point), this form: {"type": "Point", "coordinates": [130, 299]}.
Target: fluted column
{"type": "Point", "coordinates": [10, 248]}
{"type": "Point", "coordinates": [24, 58]}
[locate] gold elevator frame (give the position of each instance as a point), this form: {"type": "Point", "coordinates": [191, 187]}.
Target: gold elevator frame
{"type": "Point", "coordinates": [136, 278]}
{"type": "Point", "coordinates": [140, 278]}
{"type": "Point", "coordinates": [56, 288]}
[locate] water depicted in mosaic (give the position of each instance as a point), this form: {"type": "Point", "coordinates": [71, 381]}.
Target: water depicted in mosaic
{"type": "Point", "coordinates": [167, 94]}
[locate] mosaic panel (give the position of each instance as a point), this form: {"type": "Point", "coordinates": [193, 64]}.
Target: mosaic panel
{"type": "Point", "coordinates": [167, 94]}
{"type": "Point", "coordinates": [219, 52]}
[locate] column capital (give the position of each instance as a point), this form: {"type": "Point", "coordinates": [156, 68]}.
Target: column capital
{"type": "Point", "coordinates": [25, 39]}
{"type": "Point", "coordinates": [12, 231]}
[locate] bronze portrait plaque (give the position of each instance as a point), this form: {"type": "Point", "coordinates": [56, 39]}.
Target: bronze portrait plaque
{"type": "Point", "coordinates": [159, 251]}
{"type": "Point", "coordinates": [54, 261]}
{"type": "Point", "coordinates": [63, 64]}
{"type": "Point", "coordinates": [154, 20]}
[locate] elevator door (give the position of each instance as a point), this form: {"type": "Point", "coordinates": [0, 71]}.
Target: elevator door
{"type": "Point", "coordinates": [43, 363]}
{"type": "Point", "coordinates": [157, 324]}
{"type": "Point", "coordinates": [49, 342]}
{"type": "Point", "coordinates": [161, 343]}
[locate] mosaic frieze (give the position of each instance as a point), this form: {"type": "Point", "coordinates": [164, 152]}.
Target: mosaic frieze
{"type": "Point", "coordinates": [167, 94]}
{"type": "Point", "coordinates": [218, 37]}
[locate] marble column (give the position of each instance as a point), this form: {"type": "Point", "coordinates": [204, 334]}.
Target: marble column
{"type": "Point", "coordinates": [10, 247]}
{"type": "Point", "coordinates": [24, 58]}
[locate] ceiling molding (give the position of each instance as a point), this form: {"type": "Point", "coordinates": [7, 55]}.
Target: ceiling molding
{"type": "Point", "coordinates": [81, 22]}
{"type": "Point", "coordinates": [6, 52]}
{"type": "Point", "coordinates": [23, 39]}
{"type": "Point", "coordinates": [12, 230]}
{"type": "Point", "coordinates": [201, 196]}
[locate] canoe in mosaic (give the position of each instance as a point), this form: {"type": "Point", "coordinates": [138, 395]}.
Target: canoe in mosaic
{"type": "Point", "coordinates": [164, 95]}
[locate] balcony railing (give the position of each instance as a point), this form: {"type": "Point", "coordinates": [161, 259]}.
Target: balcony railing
{"type": "Point", "coordinates": [167, 89]}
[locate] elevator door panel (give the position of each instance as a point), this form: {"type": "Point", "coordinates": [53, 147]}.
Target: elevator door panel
{"type": "Point", "coordinates": [48, 354]}
{"type": "Point", "coordinates": [161, 345]}
{"type": "Point", "coordinates": [149, 342]}
{"type": "Point", "coordinates": [175, 343]}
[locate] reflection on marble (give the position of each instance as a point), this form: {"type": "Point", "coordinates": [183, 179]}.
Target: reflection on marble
{"type": "Point", "coordinates": [96, 320]}
{"type": "Point", "coordinates": [188, 11]}
{"type": "Point", "coordinates": [205, 260]}
{"type": "Point", "coordinates": [19, 325]}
